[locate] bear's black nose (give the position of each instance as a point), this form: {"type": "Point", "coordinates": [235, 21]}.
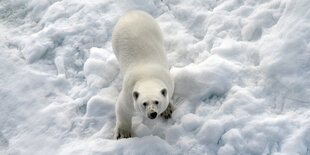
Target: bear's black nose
{"type": "Point", "coordinates": [153, 115]}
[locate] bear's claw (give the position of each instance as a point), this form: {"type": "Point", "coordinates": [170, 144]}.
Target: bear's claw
{"type": "Point", "coordinates": [122, 133]}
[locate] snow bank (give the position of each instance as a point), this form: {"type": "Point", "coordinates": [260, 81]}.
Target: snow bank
{"type": "Point", "coordinates": [241, 72]}
{"type": "Point", "coordinates": [148, 144]}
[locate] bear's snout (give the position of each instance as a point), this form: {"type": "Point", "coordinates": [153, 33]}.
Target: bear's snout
{"type": "Point", "coordinates": [152, 115]}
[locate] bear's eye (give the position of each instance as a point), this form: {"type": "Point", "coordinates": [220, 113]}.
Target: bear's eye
{"type": "Point", "coordinates": [144, 104]}
{"type": "Point", "coordinates": [156, 102]}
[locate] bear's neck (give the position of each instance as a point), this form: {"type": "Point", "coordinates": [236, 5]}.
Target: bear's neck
{"type": "Point", "coordinates": [145, 72]}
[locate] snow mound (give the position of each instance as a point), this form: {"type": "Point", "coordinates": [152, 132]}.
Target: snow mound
{"type": "Point", "coordinates": [101, 68]}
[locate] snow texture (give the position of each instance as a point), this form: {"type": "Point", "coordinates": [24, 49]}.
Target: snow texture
{"type": "Point", "coordinates": [241, 69]}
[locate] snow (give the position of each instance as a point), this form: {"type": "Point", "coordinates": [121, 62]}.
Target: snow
{"type": "Point", "coordinates": [241, 72]}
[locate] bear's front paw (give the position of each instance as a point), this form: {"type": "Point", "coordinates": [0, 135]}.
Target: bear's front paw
{"type": "Point", "coordinates": [121, 133]}
{"type": "Point", "coordinates": [167, 113]}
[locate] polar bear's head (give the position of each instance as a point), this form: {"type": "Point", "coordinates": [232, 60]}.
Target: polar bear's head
{"type": "Point", "coordinates": [150, 97]}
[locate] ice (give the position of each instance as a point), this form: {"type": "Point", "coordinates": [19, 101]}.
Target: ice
{"type": "Point", "coordinates": [191, 122]}
{"type": "Point", "coordinates": [98, 106]}
{"type": "Point", "coordinates": [241, 71]}
{"type": "Point", "coordinates": [210, 132]}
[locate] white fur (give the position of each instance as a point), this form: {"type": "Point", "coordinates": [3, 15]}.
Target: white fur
{"type": "Point", "coordinates": [138, 45]}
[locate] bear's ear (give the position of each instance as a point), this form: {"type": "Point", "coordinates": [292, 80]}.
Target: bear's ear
{"type": "Point", "coordinates": [135, 95]}
{"type": "Point", "coordinates": [164, 92]}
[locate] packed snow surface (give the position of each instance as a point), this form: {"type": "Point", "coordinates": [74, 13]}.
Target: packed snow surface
{"type": "Point", "coordinates": [241, 69]}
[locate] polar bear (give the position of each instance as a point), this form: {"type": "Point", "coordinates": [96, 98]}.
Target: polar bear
{"type": "Point", "coordinates": [147, 86]}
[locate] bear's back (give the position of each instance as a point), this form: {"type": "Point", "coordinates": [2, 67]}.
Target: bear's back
{"type": "Point", "coordinates": [137, 40]}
